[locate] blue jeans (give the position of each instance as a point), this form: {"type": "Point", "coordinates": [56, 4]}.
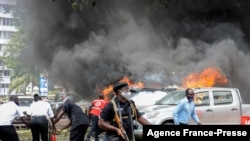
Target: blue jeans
{"type": "Point", "coordinates": [94, 127]}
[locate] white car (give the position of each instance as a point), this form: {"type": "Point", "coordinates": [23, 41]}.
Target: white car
{"type": "Point", "coordinates": [25, 102]}
{"type": "Point", "coordinates": [24, 105]}
{"type": "Point", "coordinates": [147, 98]}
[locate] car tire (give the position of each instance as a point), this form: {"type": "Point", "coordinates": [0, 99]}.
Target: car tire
{"type": "Point", "coordinates": [168, 123]}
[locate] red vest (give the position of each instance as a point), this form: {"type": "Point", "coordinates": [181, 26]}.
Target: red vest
{"type": "Point", "coordinates": [97, 106]}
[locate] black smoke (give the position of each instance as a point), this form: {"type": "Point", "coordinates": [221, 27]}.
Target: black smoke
{"type": "Point", "coordinates": [150, 42]}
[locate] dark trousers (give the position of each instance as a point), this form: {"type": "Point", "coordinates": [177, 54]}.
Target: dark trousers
{"type": "Point", "coordinates": [8, 133]}
{"type": "Point", "coordinates": [78, 133]}
{"type": "Point", "coordinates": [183, 123]}
{"type": "Point", "coordinates": [39, 126]}
{"type": "Point", "coordinates": [94, 127]}
{"type": "Point", "coordinates": [113, 138]}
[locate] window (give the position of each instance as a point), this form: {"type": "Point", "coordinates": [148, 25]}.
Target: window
{"type": "Point", "coordinates": [25, 101]}
{"type": "Point", "coordinates": [4, 85]}
{"type": "Point", "coordinates": [172, 98]}
{"type": "Point", "coordinates": [6, 34]}
{"type": "Point", "coordinates": [2, 8]}
{"type": "Point", "coordinates": [7, 22]}
{"type": "Point", "coordinates": [201, 98]}
{"type": "Point", "coordinates": [222, 97]}
{"type": "Point", "coordinates": [6, 8]}
{"type": "Point", "coordinates": [2, 47]}
{"type": "Point", "coordinates": [6, 73]}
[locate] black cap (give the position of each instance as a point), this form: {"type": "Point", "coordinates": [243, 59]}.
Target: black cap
{"type": "Point", "coordinates": [36, 95]}
{"type": "Point", "coordinates": [119, 85]}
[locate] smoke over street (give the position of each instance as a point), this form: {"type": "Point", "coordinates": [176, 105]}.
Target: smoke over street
{"type": "Point", "coordinates": [154, 44]}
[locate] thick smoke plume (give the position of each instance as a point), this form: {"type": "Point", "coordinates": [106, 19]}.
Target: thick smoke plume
{"type": "Point", "coordinates": [142, 39]}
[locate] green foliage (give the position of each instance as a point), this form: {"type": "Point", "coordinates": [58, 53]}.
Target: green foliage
{"type": "Point", "coordinates": [53, 92]}
{"type": "Point", "coordinates": [21, 74]}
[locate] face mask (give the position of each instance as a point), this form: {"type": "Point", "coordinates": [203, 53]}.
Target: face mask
{"type": "Point", "coordinates": [126, 95]}
{"type": "Point", "coordinates": [190, 98]}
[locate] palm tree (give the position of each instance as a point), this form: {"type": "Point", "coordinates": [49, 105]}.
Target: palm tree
{"type": "Point", "coordinates": [22, 74]}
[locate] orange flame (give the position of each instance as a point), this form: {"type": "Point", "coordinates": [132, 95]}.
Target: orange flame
{"type": "Point", "coordinates": [132, 84]}
{"type": "Point", "coordinates": [207, 78]}
{"type": "Point", "coordinates": [108, 90]}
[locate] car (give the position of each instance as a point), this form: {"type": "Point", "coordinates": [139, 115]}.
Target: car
{"type": "Point", "coordinates": [214, 106]}
{"type": "Point", "coordinates": [148, 96]}
{"type": "Point", "coordinates": [24, 104]}
{"type": "Point", "coordinates": [61, 97]}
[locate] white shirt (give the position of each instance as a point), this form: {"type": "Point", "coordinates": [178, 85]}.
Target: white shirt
{"type": "Point", "coordinates": [41, 108]}
{"type": "Point", "coordinates": [8, 111]}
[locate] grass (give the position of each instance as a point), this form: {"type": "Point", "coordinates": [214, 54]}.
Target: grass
{"type": "Point", "coordinates": [25, 135]}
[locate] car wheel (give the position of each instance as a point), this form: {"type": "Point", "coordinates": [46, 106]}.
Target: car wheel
{"type": "Point", "coordinates": [168, 123]}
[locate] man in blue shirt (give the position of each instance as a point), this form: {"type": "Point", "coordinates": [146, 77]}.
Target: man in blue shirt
{"type": "Point", "coordinates": [185, 110]}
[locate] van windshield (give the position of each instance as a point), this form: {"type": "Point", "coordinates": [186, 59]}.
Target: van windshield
{"type": "Point", "coordinates": [25, 101]}
{"type": "Point", "coordinates": [172, 98]}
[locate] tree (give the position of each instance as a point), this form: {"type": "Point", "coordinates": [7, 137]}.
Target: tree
{"type": "Point", "coordinates": [22, 74]}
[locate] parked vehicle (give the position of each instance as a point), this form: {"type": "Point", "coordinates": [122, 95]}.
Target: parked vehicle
{"type": "Point", "coordinates": [61, 97]}
{"type": "Point", "coordinates": [24, 104]}
{"type": "Point", "coordinates": [149, 96]}
{"type": "Point", "coordinates": [213, 105]}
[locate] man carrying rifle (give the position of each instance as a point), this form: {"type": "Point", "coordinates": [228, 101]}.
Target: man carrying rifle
{"type": "Point", "coordinates": [117, 117]}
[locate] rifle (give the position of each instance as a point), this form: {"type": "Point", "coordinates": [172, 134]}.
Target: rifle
{"type": "Point", "coordinates": [119, 121]}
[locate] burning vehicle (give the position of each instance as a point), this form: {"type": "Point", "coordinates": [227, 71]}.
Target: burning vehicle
{"type": "Point", "coordinates": [148, 96]}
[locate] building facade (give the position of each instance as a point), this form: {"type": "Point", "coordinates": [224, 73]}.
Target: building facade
{"type": "Point", "coordinates": [7, 28]}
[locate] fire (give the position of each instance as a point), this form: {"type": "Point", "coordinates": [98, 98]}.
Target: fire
{"type": "Point", "coordinates": [108, 90]}
{"type": "Point", "coordinates": [132, 84]}
{"type": "Point", "coordinates": [207, 78]}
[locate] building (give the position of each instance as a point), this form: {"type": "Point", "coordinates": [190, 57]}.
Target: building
{"type": "Point", "coordinates": [7, 28]}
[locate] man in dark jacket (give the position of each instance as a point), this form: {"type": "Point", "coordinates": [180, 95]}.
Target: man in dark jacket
{"type": "Point", "coordinates": [79, 121]}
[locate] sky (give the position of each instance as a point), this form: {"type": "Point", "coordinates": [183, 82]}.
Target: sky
{"type": "Point", "coordinates": [151, 43]}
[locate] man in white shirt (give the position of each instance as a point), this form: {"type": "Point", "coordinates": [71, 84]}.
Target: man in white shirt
{"type": "Point", "coordinates": [41, 113]}
{"type": "Point", "coordinates": [8, 111]}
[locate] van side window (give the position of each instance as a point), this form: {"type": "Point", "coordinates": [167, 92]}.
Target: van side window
{"type": "Point", "coordinates": [201, 98]}
{"type": "Point", "coordinates": [222, 97]}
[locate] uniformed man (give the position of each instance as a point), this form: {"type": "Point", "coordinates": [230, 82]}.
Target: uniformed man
{"type": "Point", "coordinates": [41, 115]}
{"type": "Point", "coordinates": [122, 107]}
